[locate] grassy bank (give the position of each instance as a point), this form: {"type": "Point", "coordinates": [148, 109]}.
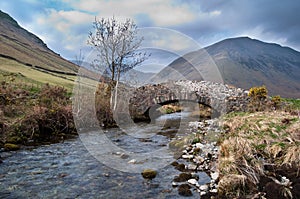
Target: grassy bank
{"type": "Point", "coordinates": [260, 152]}
{"type": "Point", "coordinates": [35, 105]}
{"type": "Point", "coordinates": [33, 112]}
{"type": "Point", "coordinates": [34, 115]}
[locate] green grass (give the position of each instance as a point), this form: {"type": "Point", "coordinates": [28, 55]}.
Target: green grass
{"type": "Point", "coordinates": [17, 73]}
{"type": "Point", "coordinates": [12, 70]}
{"type": "Point", "coordinates": [234, 114]}
{"type": "Point", "coordinates": [295, 103]}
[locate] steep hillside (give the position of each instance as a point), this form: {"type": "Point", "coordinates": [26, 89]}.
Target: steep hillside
{"type": "Point", "coordinates": [242, 62]}
{"type": "Point", "coordinates": [18, 44]}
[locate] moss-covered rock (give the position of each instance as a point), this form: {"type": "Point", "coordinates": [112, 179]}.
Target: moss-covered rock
{"type": "Point", "coordinates": [149, 173]}
{"type": "Point", "coordinates": [11, 147]}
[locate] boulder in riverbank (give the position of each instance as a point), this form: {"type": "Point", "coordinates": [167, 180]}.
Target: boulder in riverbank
{"type": "Point", "coordinates": [184, 190]}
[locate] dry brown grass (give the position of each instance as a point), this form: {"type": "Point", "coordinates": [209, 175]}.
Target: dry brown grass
{"type": "Point", "coordinates": [238, 157]}
{"type": "Point", "coordinates": [232, 183]}
{"type": "Point", "coordinates": [255, 139]}
{"type": "Point", "coordinates": [34, 117]}
{"type": "Point", "coordinates": [292, 155]}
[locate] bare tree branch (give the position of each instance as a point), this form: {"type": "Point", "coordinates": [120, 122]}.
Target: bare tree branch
{"type": "Point", "coordinates": [117, 45]}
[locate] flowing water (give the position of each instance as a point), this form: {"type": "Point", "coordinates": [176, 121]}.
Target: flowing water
{"type": "Point", "coordinates": [69, 170]}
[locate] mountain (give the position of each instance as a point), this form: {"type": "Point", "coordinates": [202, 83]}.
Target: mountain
{"type": "Point", "coordinates": [136, 77]}
{"type": "Point", "coordinates": [242, 62]}
{"type": "Point", "coordinates": [18, 44]}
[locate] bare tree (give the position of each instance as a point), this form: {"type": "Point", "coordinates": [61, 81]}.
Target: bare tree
{"type": "Point", "coordinates": [116, 44]}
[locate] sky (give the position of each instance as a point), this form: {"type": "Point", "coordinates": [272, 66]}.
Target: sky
{"type": "Point", "coordinates": [64, 25]}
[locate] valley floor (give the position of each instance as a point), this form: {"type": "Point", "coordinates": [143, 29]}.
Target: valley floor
{"type": "Point", "coordinates": [245, 154]}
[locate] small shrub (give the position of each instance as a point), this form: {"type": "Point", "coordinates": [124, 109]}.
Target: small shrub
{"type": "Point", "coordinates": [12, 100]}
{"type": "Point", "coordinates": [276, 101]}
{"type": "Point", "coordinates": [258, 92]}
{"type": "Point", "coordinates": [15, 140]}
{"type": "Point", "coordinates": [170, 108]}
{"type": "Point", "coordinates": [51, 95]}
{"type": "Point", "coordinates": [41, 116]}
{"type": "Point", "coordinates": [196, 140]}
{"type": "Point", "coordinates": [258, 96]}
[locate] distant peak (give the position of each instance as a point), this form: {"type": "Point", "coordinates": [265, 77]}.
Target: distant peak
{"type": "Point", "coordinates": [243, 38]}
{"type": "Point", "coordinates": [245, 41]}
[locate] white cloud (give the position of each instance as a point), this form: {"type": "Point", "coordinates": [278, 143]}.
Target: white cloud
{"type": "Point", "coordinates": [259, 33]}
{"type": "Point", "coordinates": [215, 13]}
{"type": "Point", "coordinates": [64, 29]}
{"type": "Point", "coordinates": [65, 21]}
{"type": "Point", "coordinates": [75, 17]}
{"type": "Point", "coordinates": [175, 43]}
{"type": "Point", "coordinates": [168, 40]}
{"type": "Point", "coordinates": [69, 18]}
{"type": "Point", "coordinates": [65, 25]}
{"type": "Point", "coordinates": [162, 13]}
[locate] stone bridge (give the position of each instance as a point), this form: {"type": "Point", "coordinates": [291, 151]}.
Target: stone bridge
{"type": "Point", "coordinates": [220, 97]}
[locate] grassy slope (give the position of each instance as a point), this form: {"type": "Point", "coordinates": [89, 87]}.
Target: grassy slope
{"type": "Point", "coordinates": [25, 74]}
{"type": "Point", "coordinates": [31, 76]}
{"type": "Point", "coordinates": [34, 56]}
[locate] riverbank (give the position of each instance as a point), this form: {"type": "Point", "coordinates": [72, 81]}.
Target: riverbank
{"type": "Point", "coordinates": [34, 115]}
{"type": "Point", "coordinates": [247, 155]}
{"type": "Point", "coordinates": [260, 155]}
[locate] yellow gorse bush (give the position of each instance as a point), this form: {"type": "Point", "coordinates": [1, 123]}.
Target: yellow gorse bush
{"type": "Point", "coordinates": [260, 92]}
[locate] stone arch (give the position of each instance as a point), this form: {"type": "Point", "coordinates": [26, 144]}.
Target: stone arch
{"type": "Point", "coordinates": [149, 97]}
{"type": "Point", "coordinates": [151, 110]}
{"type": "Point", "coordinates": [220, 97]}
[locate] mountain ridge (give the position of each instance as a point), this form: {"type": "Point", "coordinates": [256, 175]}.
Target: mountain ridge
{"type": "Point", "coordinates": [21, 45]}
{"type": "Point", "coordinates": [242, 62]}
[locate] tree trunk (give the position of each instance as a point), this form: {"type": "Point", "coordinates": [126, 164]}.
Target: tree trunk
{"type": "Point", "coordinates": [116, 90]}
